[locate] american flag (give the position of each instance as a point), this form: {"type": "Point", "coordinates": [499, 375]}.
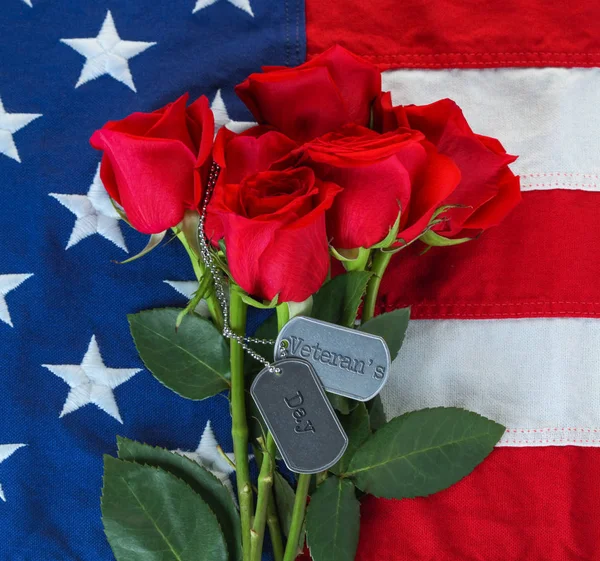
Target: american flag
{"type": "Point", "coordinates": [71, 379]}
{"type": "Point", "coordinates": [506, 325]}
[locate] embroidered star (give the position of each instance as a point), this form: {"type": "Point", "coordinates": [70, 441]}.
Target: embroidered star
{"type": "Point", "coordinates": [222, 116]}
{"type": "Point", "coordinates": [95, 214]}
{"type": "Point", "coordinates": [210, 457]}
{"type": "Point", "coordinates": [92, 382]}
{"type": "Point", "coordinates": [10, 123]}
{"type": "Point", "coordinates": [28, 2]}
{"type": "Point", "coordinates": [187, 289]}
{"type": "Point", "coordinates": [8, 283]}
{"type": "Point", "coordinates": [107, 54]}
{"type": "Point", "coordinates": [241, 4]}
{"type": "Point", "coordinates": [7, 450]}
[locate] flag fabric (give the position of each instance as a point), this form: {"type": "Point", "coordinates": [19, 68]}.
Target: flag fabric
{"type": "Point", "coordinates": [506, 325]}
{"type": "Point", "coordinates": [70, 377]}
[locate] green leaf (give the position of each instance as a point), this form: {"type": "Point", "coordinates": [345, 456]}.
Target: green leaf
{"type": "Point", "coordinates": [391, 326]}
{"type": "Point", "coordinates": [392, 234]}
{"type": "Point", "coordinates": [202, 481]}
{"type": "Point", "coordinates": [376, 413]}
{"type": "Point", "coordinates": [149, 514]}
{"type": "Point", "coordinates": [333, 521]}
{"type": "Point", "coordinates": [154, 240]}
{"type": "Point", "coordinates": [356, 426]}
{"type": "Point", "coordinates": [342, 404]}
{"type": "Point", "coordinates": [192, 361]}
{"type": "Point", "coordinates": [353, 259]}
{"type": "Point", "coordinates": [423, 452]}
{"type": "Point", "coordinates": [203, 288]}
{"type": "Point", "coordinates": [338, 300]}
{"type": "Point", "coordinates": [435, 240]}
{"type": "Point", "coordinates": [300, 308]}
{"type": "Point", "coordinates": [284, 500]}
{"type": "Point", "coordinates": [257, 304]}
{"type": "Point", "coordinates": [189, 229]}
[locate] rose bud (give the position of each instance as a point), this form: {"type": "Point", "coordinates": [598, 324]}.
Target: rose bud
{"type": "Point", "coordinates": [149, 161]}
{"type": "Point", "coordinates": [274, 229]}
{"type": "Point", "coordinates": [333, 89]}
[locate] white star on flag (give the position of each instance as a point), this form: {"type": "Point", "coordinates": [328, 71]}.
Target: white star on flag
{"type": "Point", "coordinates": [241, 4]}
{"type": "Point", "coordinates": [95, 214]}
{"type": "Point", "coordinates": [107, 54]}
{"type": "Point", "coordinates": [8, 283]}
{"type": "Point", "coordinates": [92, 382]}
{"type": "Point", "coordinates": [7, 450]}
{"type": "Point", "coordinates": [222, 116]}
{"type": "Point", "coordinates": [10, 123]}
{"type": "Point", "coordinates": [187, 289]}
{"type": "Point", "coordinates": [210, 457]}
{"type": "Point", "coordinates": [28, 2]}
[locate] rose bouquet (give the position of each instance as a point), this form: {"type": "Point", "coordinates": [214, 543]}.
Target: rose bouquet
{"type": "Point", "coordinates": [301, 214]}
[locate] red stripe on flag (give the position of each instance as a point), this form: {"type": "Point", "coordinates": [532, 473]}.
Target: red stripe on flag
{"type": "Point", "coordinates": [458, 34]}
{"type": "Point", "coordinates": [542, 261]}
{"type": "Point", "coordinates": [520, 504]}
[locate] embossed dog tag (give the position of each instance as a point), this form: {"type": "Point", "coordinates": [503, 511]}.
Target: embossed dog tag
{"type": "Point", "coordinates": [299, 415]}
{"type": "Point", "coordinates": [348, 362]}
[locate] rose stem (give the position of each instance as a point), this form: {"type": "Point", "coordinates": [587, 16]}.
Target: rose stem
{"type": "Point", "coordinates": [381, 260]}
{"type": "Point", "coordinates": [291, 548]}
{"type": "Point", "coordinates": [239, 431]}
{"type": "Point", "coordinates": [274, 528]}
{"type": "Point", "coordinates": [265, 484]}
{"type": "Point", "coordinates": [265, 477]}
{"type": "Point", "coordinates": [211, 299]}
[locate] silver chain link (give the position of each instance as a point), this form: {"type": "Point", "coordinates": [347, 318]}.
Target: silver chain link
{"type": "Point", "coordinates": [213, 270]}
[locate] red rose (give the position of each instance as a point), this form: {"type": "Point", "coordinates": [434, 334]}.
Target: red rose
{"type": "Point", "coordinates": [149, 161]}
{"type": "Point", "coordinates": [331, 90]}
{"type": "Point", "coordinates": [241, 155]}
{"type": "Point", "coordinates": [381, 175]}
{"type": "Point", "coordinates": [488, 190]}
{"type": "Point", "coordinates": [274, 228]}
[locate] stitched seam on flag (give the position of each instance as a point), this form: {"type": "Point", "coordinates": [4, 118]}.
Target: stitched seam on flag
{"type": "Point", "coordinates": [555, 429]}
{"type": "Point", "coordinates": [531, 434]}
{"type": "Point", "coordinates": [561, 174]}
{"type": "Point", "coordinates": [559, 184]}
{"type": "Point", "coordinates": [287, 35]}
{"type": "Point", "coordinates": [298, 5]}
{"type": "Point", "coordinates": [549, 440]}
{"type": "Point", "coordinates": [493, 315]}
{"type": "Point", "coordinates": [497, 63]}
{"type": "Point", "coordinates": [430, 304]}
{"type": "Point", "coordinates": [511, 53]}
{"type": "Point", "coordinates": [453, 311]}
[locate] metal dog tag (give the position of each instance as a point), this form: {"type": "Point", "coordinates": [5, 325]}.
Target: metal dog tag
{"type": "Point", "coordinates": [348, 362]}
{"type": "Point", "coordinates": [299, 415]}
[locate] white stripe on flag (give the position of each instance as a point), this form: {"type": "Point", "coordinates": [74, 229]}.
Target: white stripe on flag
{"type": "Point", "coordinates": [539, 377]}
{"type": "Point", "coordinates": [549, 117]}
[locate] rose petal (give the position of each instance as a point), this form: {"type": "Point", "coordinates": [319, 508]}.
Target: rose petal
{"type": "Point", "coordinates": [172, 123]}
{"type": "Point", "coordinates": [303, 105]}
{"type": "Point", "coordinates": [437, 181]}
{"type": "Point", "coordinates": [358, 81]}
{"type": "Point", "coordinates": [155, 178]}
{"type": "Point", "coordinates": [368, 206]}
